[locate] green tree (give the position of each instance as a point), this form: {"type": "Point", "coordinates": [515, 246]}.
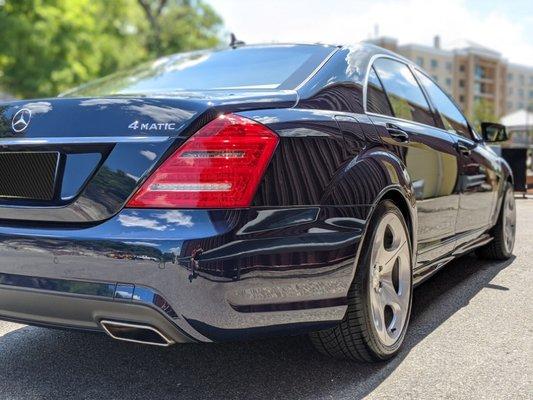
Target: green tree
{"type": "Point", "coordinates": [48, 46]}
{"type": "Point", "coordinates": [178, 25]}
{"type": "Point", "coordinates": [483, 112]}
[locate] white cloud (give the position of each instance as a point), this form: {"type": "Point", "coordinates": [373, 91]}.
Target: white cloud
{"type": "Point", "coordinates": [178, 218]}
{"type": "Point", "coordinates": [131, 221]}
{"type": "Point", "coordinates": [172, 218]}
{"type": "Point", "coordinates": [143, 244]}
{"type": "Point", "coordinates": [149, 154]}
{"type": "Point", "coordinates": [349, 21]}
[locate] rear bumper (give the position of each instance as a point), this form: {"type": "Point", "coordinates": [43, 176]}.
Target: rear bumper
{"type": "Point", "coordinates": [54, 308]}
{"type": "Point", "coordinates": [195, 275]}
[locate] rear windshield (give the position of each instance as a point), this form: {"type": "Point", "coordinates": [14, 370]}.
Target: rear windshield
{"type": "Point", "coordinates": [245, 68]}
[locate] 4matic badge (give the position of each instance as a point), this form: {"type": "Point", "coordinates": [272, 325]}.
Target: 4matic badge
{"type": "Point", "coordinates": [161, 126]}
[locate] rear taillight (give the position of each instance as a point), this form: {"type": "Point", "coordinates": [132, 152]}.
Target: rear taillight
{"type": "Point", "coordinates": [220, 166]}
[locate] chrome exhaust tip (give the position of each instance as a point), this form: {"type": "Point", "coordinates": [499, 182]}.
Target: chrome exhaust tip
{"type": "Point", "coordinates": [136, 333]}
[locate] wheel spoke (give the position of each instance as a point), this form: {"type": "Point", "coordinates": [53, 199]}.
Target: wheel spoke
{"type": "Point", "coordinates": [509, 220]}
{"type": "Point", "coordinates": [378, 315]}
{"type": "Point", "coordinates": [391, 257]}
{"type": "Point", "coordinates": [390, 297]}
{"type": "Point", "coordinates": [390, 279]}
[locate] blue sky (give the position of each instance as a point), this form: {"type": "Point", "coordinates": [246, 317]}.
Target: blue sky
{"type": "Point", "coordinates": [505, 26]}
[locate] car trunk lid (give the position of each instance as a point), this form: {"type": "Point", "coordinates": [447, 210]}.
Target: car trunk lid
{"type": "Point", "coordinates": [68, 160]}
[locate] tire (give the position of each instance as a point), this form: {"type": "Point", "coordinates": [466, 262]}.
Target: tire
{"type": "Point", "coordinates": [504, 232]}
{"type": "Point", "coordinates": [360, 335]}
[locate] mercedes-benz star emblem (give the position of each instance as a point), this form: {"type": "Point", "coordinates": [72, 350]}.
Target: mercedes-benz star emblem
{"type": "Point", "coordinates": [21, 120]}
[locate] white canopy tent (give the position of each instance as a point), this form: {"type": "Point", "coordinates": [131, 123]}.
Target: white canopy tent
{"type": "Point", "coordinates": [520, 125]}
{"type": "Point", "coordinates": [519, 119]}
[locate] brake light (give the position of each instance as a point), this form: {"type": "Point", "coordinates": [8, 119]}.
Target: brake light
{"type": "Point", "coordinates": [220, 166]}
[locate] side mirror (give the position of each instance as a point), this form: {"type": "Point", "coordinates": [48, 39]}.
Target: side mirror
{"type": "Point", "coordinates": [493, 132]}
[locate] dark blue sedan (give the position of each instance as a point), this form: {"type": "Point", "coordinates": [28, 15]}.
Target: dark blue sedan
{"type": "Point", "coordinates": [245, 192]}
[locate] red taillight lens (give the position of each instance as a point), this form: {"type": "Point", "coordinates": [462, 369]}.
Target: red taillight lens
{"type": "Point", "coordinates": [220, 166]}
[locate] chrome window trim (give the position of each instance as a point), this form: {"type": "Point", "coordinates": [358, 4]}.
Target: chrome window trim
{"type": "Point", "coordinates": [365, 82]}
{"type": "Point", "coordinates": [315, 71]}
{"type": "Point", "coordinates": [406, 120]}
{"type": "Point", "coordinates": [411, 67]}
{"type": "Point", "coordinates": [365, 89]}
{"type": "Point", "coordinates": [474, 134]}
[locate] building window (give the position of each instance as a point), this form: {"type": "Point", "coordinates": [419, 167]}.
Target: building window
{"type": "Point", "coordinates": [510, 90]}
{"type": "Point", "coordinates": [420, 61]}
{"type": "Point", "coordinates": [462, 68]}
{"type": "Point", "coordinates": [448, 66]}
{"type": "Point", "coordinates": [509, 77]}
{"type": "Point", "coordinates": [522, 79]}
{"type": "Point", "coordinates": [462, 98]}
{"type": "Point", "coordinates": [461, 83]}
{"type": "Point", "coordinates": [521, 93]}
{"type": "Point", "coordinates": [520, 106]}
{"type": "Point", "coordinates": [448, 82]}
{"type": "Point", "coordinates": [531, 94]}
{"type": "Point", "coordinates": [480, 72]}
{"type": "Point", "coordinates": [509, 105]}
{"type": "Point", "coordinates": [480, 88]}
{"type": "Point", "coordinates": [434, 64]}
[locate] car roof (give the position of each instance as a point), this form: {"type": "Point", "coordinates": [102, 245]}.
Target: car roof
{"type": "Point", "coordinates": [362, 49]}
{"type": "Point", "coordinates": [370, 50]}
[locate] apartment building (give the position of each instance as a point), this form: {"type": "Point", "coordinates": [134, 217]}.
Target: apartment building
{"type": "Point", "coordinates": [436, 61]}
{"type": "Point", "coordinates": [519, 87]}
{"type": "Point", "coordinates": [471, 72]}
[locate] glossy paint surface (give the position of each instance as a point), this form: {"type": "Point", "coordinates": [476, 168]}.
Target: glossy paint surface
{"type": "Point", "coordinates": [282, 265]}
{"type": "Point", "coordinates": [219, 269]}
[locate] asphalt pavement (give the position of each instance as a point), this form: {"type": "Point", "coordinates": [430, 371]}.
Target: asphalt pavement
{"type": "Point", "coordinates": [471, 337]}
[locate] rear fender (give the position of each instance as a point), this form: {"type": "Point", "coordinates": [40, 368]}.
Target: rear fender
{"type": "Point", "coordinates": [385, 177]}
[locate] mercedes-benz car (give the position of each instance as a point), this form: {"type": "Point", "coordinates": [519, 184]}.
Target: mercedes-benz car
{"type": "Point", "coordinates": [245, 192]}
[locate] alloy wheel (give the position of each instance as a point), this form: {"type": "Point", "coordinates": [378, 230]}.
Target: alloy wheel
{"type": "Point", "coordinates": [509, 220]}
{"type": "Point", "coordinates": [390, 279]}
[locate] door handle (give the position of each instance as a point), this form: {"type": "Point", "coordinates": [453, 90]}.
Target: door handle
{"type": "Point", "coordinates": [463, 149]}
{"type": "Point", "coordinates": [397, 133]}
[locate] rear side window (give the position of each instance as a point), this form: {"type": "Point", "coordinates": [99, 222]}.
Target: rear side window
{"type": "Point", "coordinates": [452, 118]}
{"type": "Point", "coordinates": [404, 94]}
{"type": "Point", "coordinates": [376, 98]}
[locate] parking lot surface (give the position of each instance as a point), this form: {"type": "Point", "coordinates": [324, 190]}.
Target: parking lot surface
{"type": "Point", "coordinates": [471, 336]}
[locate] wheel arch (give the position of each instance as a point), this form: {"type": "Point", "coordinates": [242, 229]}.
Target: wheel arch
{"type": "Point", "coordinates": [407, 206]}
{"type": "Point", "coordinates": [398, 189]}
{"type": "Point", "coordinates": [408, 211]}
{"type": "Point", "coordinates": [507, 172]}
{"type": "Point", "coordinates": [387, 179]}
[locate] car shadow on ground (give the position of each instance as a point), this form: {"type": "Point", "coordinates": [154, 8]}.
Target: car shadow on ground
{"type": "Point", "coordinates": [42, 363]}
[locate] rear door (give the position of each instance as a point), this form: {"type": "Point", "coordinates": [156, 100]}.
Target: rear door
{"type": "Point", "coordinates": [478, 179]}
{"type": "Point", "coordinates": [399, 109]}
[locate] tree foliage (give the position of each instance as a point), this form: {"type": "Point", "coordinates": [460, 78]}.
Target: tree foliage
{"type": "Point", "coordinates": [483, 112]}
{"type": "Point", "coordinates": [47, 46]}
{"type": "Point", "coordinates": [179, 25]}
